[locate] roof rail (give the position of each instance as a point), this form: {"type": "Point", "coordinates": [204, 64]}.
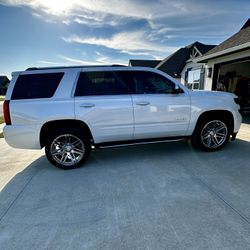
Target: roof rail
{"type": "Point", "coordinates": [72, 67]}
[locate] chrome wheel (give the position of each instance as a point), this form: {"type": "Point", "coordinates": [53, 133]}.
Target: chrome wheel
{"type": "Point", "coordinates": [214, 134]}
{"type": "Point", "coordinates": [67, 149]}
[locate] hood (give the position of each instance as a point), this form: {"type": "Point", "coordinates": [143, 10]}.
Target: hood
{"type": "Point", "coordinates": [212, 93]}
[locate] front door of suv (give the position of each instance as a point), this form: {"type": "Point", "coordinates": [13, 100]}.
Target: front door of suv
{"type": "Point", "coordinates": [158, 112]}
{"type": "Point", "coordinates": [104, 102]}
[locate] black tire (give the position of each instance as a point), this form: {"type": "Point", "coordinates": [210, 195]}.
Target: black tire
{"type": "Point", "coordinates": [69, 145]}
{"type": "Point", "coordinates": [205, 132]}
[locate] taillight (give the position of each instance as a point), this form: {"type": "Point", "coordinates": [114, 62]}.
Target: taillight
{"type": "Point", "coordinates": [6, 112]}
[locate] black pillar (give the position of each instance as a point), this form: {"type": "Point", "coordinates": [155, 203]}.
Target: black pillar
{"type": "Point", "coordinates": [215, 76]}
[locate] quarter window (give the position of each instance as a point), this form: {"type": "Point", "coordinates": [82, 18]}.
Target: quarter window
{"type": "Point", "coordinates": [36, 86]}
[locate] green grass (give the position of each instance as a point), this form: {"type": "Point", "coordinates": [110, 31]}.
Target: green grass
{"type": "Point", "coordinates": [1, 119]}
{"type": "Point", "coordinates": [2, 97]}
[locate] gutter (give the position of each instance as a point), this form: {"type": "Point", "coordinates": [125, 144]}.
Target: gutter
{"type": "Point", "coordinates": [205, 58]}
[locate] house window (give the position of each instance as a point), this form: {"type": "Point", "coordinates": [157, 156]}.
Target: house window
{"type": "Point", "coordinates": [194, 78]}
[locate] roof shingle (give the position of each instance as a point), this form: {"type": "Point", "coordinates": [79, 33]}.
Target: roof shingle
{"type": "Point", "coordinates": [144, 63]}
{"type": "Point", "coordinates": [241, 37]}
{"type": "Point", "coordinates": [174, 64]}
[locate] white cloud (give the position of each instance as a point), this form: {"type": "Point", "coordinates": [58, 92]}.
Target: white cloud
{"type": "Point", "coordinates": [35, 14]}
{"type": "Point", "coordinates": [161, 15]}
{"type": "Point", "coordinates": [80, 11]}
{"type": "Point", "coordinates": [67, 61]}
{"type": "Point", "coordinates": [128, 8]}
{"type": "Point", "coordinates": [135, 42]}
{"type": "Point", "coordinates": [74, 61]}
{"type": "Point", "coordinates": [49, 62]}
{"type": "Point", "coordinates": [161, 20]}
{"type": "Point", "coordinates": [99, 21]}
{"type": "Point", "coordinates": [100, 59]}
{"type": "Point", "coordinates": [137, 53]}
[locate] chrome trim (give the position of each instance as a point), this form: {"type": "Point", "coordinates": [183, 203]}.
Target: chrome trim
{"type": "Point", "coordinates": [143, 103]}
{"type": "Point", "coordinates": [87, 105]}
{"type": "Point", "coordinates": [140, 143]}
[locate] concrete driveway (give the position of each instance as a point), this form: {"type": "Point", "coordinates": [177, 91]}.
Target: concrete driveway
{"type": "Point", "coordinates": [165, 196]}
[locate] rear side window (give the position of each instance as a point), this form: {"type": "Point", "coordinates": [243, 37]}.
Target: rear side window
{"type": "Point", "coordinates": [36, 86]}
{"type": "Point", "coordinates": [100, 83]}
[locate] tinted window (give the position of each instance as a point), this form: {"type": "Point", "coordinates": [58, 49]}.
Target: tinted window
{"type": "Point", "coordinates": [36, 86]}
{"type": "Point", "coordinates": [101, 83]}
{"type": "Point", "coordinates": [126, 77]}
{"type": "Point", "coordinates": [151, 83]}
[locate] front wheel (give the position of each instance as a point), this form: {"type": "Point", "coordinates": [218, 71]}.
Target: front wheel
{"type": "Point", "coordinates": [67, 148]}
{"type": "Point", "coordinates": [210, 135]}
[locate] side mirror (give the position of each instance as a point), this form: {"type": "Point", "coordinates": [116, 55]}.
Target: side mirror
{"type": "Point", "coordinates": [176, 89]}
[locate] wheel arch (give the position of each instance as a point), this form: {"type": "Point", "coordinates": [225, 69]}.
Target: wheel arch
{"type": "Point", "coordinates": [51, 126]}
{"type": "Point", "coordinates": [225, 115]}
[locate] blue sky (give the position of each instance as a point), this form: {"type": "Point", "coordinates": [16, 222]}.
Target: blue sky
{"type": "Point", "coordinates": [60, 32]}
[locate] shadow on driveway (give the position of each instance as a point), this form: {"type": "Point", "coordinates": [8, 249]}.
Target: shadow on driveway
{"type": "Point", "coordinates": [153, 196]}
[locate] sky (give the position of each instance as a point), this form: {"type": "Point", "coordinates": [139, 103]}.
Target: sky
{"type": "Point", "coordinates": [44, 33]}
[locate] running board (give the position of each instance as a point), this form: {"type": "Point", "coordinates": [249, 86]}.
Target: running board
{"type": "Point", "coordinates": [138, 142]}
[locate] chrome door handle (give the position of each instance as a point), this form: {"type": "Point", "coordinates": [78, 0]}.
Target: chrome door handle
{"type": "Point", "coordinates": [143, 103]}
{"type": "Point", "coordinates": [87, 105]}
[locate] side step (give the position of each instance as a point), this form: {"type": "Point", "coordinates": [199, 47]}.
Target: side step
{"type": "Point", "coordinates": [139, 142]}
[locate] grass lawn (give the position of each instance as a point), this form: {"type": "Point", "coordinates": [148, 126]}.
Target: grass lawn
{"type": "Point", "coordinates": [1, 119]}
{"type": "Point", "coordinates": [2, 97]}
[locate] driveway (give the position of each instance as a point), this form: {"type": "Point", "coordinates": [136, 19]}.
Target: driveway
{"type": "Point", "coordinates": [165, 196]}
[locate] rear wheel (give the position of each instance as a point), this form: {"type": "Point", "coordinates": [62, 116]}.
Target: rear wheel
{"type": "Point", "coordinates": [67, 148]}
{"type": "Point", "coordinates": [211, 134]}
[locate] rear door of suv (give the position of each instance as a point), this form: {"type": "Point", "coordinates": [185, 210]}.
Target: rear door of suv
{"type": "Point", "coordinates": [103, 100]}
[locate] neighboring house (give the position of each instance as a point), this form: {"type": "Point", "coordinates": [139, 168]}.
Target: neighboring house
{"type": "Point", "coordinates": [4, 82]}
{"type": "Point", "coordinates": [229, 64]}
{"type": "Point", "coordinates": [144, 63]}
{"type": "Point", "coordinates": [181, 65]}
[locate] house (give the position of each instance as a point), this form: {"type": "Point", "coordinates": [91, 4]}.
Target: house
{"type": "Point", "coordinates": [181, 65]}
{"type": "Point", "coordinates": [144, 63]}
{"type": "Point", "coordinates": [229, 66]}
{"type": "Point", "coordinates": [4, 82]}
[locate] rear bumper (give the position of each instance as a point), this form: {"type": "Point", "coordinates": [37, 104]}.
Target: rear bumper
{"type": "Point", "coordinates": [25, 137]}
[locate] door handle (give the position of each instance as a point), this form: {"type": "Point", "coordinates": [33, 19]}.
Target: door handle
{"type": "Point", "coordinates": [143, 103]}
{"type": "Point", "coordinates": [87, 105]}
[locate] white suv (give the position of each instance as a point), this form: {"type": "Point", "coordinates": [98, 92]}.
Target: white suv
{"type": "Point", "coordinates": [69, 110]}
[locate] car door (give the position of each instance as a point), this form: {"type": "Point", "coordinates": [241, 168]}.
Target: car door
{"type": "Point", "coordinates": [158, 111]}
{"type": "Point", "coordinates": [104, 103]}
